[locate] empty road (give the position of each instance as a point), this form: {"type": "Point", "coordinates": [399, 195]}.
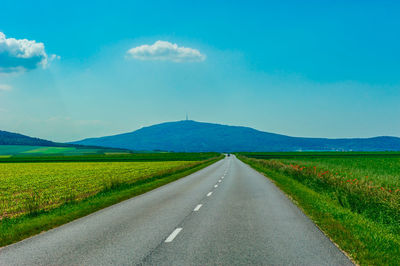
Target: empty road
{"type": "Point", "coordinates": [225, 214]}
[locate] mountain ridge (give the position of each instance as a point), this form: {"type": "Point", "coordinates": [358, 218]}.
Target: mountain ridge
{"type": "Point", "coordinates": [11, 138]}
{"type": "Point", "coordinates": [17, 139]}
{"type": "Point", "coordinates": [193, 136]}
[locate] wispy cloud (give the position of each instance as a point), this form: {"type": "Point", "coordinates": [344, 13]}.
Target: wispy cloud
{"type": "Point", "coordinates": [5, 87]}
{"type": "Point", "coordinates": [166, 51]}
{"type": "Point", "coordinates": [22, 54]}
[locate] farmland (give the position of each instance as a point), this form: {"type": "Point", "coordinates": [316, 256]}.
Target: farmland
{"type": "Point", "coordinates": [353, 197]}
{"type": "Point", "coordinates": [94, 155]}
{"type": "Point", "coordinates": [27, 188]}
{"type": "Point", "coordinates": [25, 150]}
{"type": "Point", "coordinates": [52, 193]}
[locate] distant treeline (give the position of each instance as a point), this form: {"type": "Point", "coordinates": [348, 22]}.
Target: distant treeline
{"type": "Point", "coordinates": [8, 138]}
{"type": "Point", "coordinates": [134, 157]}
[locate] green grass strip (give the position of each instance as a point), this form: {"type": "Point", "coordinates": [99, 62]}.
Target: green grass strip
{"type": "Point", "coordinates": [366, 241]}
{"type": "Point", "coordinates": [13, 230]}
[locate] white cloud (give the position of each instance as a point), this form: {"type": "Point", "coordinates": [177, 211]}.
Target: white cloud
{"type": "Point", "coordinates": [5, 87]}
{"type": "Point", "coordinates": [54, 57]}
{"type": "Point", "coordinates": [19, 55]}
{"type": "Point", "coordinates": [166, 51]}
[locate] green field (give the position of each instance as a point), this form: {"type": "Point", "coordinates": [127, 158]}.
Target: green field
{"type": "Point", "coordinates": [12, 154]}
{"type": "Point", "coordinates": [22, 150]}
{"type": "Point", "coordinates": [41, 193]}
{"type": "Point", "coordinates": [353, 197]}
{"type": "Point", "coordinates": [27, 187]}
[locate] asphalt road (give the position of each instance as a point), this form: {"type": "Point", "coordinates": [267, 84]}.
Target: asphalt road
{"type": "Point", "coordinates": [225, 214]}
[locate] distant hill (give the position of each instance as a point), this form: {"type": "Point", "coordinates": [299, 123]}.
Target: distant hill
{"type": "Point", "coordinates": [8, 138]}
{"type": "Point", "coordinates": [192, 136]}
{"type": "Point", "coordinates": [13, 144]}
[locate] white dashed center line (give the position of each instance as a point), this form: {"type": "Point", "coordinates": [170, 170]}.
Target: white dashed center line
{"type": "Point", "coordinates": [173, 235]}
{"type": "Point", "coordinates": [219, 181]}
{"type": "Point", "coordinates": [197, 207]}
{"type": "Point", "coordinates": [209, 194]}
{"type": "Point", "coordinates": [216, 186]}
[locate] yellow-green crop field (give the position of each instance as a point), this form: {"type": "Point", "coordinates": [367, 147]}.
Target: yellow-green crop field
{"type": "Point", "coordinates": [31, 187]}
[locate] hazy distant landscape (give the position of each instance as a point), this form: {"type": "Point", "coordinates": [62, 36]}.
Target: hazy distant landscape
{"type": "Point", "coordinates": [189, 136]}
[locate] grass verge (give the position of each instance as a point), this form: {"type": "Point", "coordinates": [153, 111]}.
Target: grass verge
{"type": "Point", "coordinates": [13, 230]}
{"type": "Point", "coordinates": [366, 241]}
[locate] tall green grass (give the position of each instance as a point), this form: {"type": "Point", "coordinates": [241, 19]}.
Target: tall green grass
{"type": "Point", "coordinates": [355, 200]}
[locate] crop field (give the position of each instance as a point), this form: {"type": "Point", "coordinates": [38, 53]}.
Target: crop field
{"type": "Point", "coordinates": [115, 156]}
{"type": "Point", "coordinates": [379, 172]}
{"type": "Point", "coordinates": [32, 187]}
{"type": "Point", "coordinates": [366, 186]}
{"type": "Point", "coordinates": [23, 150]}
{"type": "Point", "coordinates": [38, 193]}
{"type": "Point", "coordinates": [370, 186]}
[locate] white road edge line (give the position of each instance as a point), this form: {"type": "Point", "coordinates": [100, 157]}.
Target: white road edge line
{"type": "Point", "coordinates": [198, 207]}
{"type": "Point", "coordinates": [209, 194]}
{"type": "Point", "coordinates": [173, 235]}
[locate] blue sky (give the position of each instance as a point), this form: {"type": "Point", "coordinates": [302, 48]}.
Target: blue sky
{"type": "Point", "coordinates": [301, 68]}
